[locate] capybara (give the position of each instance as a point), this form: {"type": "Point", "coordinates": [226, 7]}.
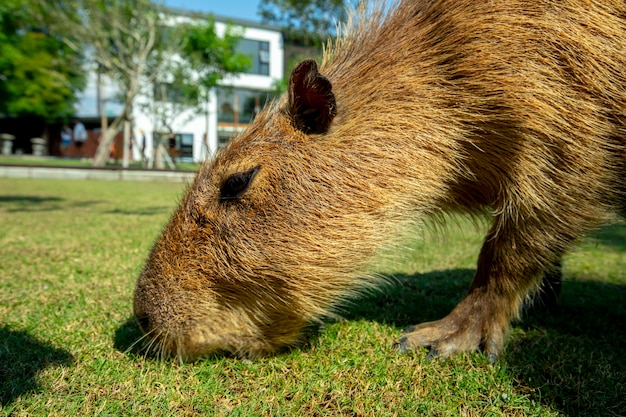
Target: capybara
{"type": "Point", "coordinates": [510, 109]}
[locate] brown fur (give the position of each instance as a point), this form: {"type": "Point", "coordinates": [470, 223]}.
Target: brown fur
{"type": "Point", "coordinates": [513, 108]}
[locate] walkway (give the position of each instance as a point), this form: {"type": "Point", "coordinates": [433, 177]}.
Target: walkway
{"type": "Point", "coordinates": [88, 173]}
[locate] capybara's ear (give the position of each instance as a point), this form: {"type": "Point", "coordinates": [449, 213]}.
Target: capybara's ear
{"type": "Point", "coordinates": [311, 99]}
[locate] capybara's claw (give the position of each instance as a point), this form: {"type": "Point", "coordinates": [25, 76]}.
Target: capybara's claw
{"type": "Point", "coordinates": [408, 329]}
{"type": "Point", "coordinates": [401, 346]}
{"type": "Point", "coordinates": [440, 345]}
{"type": "Point", "coordinates": [492, 358]}
{"type": "Point", "coordinates": [432, 355]}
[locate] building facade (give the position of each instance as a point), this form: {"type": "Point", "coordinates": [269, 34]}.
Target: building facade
{"type": "Point", "coordinates": [196, 135]}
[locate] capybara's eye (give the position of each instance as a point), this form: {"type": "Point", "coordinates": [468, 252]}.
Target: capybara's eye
{"type": "Point", "coordinates": [237, 184]}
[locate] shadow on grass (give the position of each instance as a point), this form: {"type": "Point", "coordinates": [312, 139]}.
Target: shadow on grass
{"type": "Point", "coordinates": [31, 203]}
{"type": "Point", "coordinates": [19, 203]}
{"type": "Point", "coordinates": [145, 211]}
{"type": "Point", "coordinates": [21, 358]}
{"type": "Point", "coordinates": [28, 199]}
{"type": "Point", "coordinates": [127, 337]}
{"type": "Point", "coordinates": [613, 236]}
{"type": "Point", "coordinates": [572, 360]}
{"type": "Point", "coordinates": [411, 299]}
{"type": "Point", "coordinates": [575, 358]}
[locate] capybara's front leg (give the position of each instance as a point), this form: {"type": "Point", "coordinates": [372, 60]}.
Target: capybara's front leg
{"type": "Point", "coordinates": [510, 264]}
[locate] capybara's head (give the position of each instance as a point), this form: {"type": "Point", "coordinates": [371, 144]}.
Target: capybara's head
{"type": "Point", "coordinates": [268, 237]}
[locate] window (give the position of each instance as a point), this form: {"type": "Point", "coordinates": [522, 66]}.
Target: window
{"type": "Point", "coordinates": [181, 147]}
{"type": "Point", "coordinates": [166, 34]}
{"type": "Point", "coordinates": [239, 106]}
{"type": "Point", "coordinates": [223, 138]}
{"type": "Point", "coordinates": [259, 54]}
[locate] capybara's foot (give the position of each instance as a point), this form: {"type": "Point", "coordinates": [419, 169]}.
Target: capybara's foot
{"type": "Point", "coordinates": [444, 338]}
{"type": "Point", "coordinates": [474, 324]}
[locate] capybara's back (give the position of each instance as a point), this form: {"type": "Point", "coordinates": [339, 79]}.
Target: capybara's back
{"type": "Point", "coordinates": [513, 109]}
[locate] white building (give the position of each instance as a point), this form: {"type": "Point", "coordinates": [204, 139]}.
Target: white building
{"type": "Point", "coordinates": [229, 109]}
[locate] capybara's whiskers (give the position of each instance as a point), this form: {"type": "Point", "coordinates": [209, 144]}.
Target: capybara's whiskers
{"type": "Point", "coordinates": [154, 338]}
{"type": "Point", "coordinates": [145, 337]}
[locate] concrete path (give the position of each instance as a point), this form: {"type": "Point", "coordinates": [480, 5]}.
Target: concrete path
{"type": "Point", "coordinates": [87, 173]}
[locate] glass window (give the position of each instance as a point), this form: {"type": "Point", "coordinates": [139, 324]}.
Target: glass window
{"type": "Point", "coordinates": [259, 54]}
{"type": "Point", "coordinates": [239, 106]}
{"type": "Point", "coordinates": [223, 138]}
{"type": "Point", "coordinates": [181, 146]}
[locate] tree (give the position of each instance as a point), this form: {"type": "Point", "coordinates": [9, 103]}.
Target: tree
{"type": "Point", "coordinates": [120, 36]}
{"type": "Point", "coordinates": [212, 57]}
{"type": "Point", "coordinates": [305, 22]}
{"type": "Point", "coordinates": [198, 62]}
{"type": "Point", "coordinates": [132, 42]}
{"type": "Point", "coordinates": [183, 82]}
{"type": "Point", "coordinates": [39, 75]}
{"type": "Point", "coordinates": [172, 95]}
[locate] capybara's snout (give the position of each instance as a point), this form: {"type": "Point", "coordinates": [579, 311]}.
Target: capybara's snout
{"type": "Point", "coordinates": [166, 317]}
{"type": "Point", "coordinates": [189, 321]}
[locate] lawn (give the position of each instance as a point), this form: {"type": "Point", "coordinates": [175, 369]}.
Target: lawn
{"type": "Point", "coordinates": [70, 252]}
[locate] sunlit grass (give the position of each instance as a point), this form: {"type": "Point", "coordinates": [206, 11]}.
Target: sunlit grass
{"type": "Point", "coordinates": [70, 252]}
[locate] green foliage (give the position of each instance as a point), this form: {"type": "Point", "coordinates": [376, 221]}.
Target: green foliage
{"type": "Point", "coordinates": [39, 75]}
{"type": "Point", "coordinates": [203, 59]}
{"type": "Point", "coordinates": [119, 36]}
{"type": "Point", "coordinates": [305, 22]}
{"type": "Point", "coordinates": [212, 56]}
{"type": "Point", "coordinates": [172, 98]}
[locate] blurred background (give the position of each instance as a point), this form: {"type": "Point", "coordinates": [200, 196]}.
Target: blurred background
{"type": "Point", "coordinates": [144, 83]}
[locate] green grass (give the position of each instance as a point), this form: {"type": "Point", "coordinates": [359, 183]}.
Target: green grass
{"type": "Point", "coordinates": [70, 252]}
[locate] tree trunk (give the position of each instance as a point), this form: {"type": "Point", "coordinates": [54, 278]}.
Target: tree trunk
{"type": "Point", "coordinates": [102, 152]}
{"type": "Point", "coordinates": [126, 143]}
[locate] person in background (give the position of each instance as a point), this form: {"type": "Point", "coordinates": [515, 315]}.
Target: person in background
{"type": "Point", "coordinates": [66, 140]}
{"type": "Point", "coordinates": [143, 148]}
{"type": "Point", "coordinates": [80, 136]}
